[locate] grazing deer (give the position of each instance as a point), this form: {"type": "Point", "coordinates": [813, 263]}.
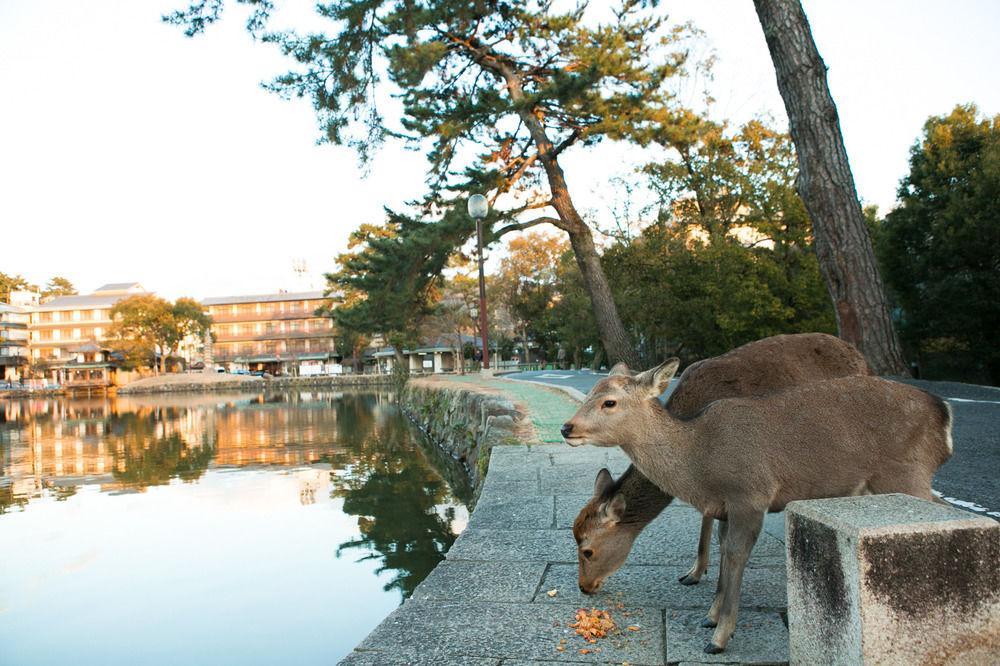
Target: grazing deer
{"type": "Point", "coordinates": [739, 458]}
{"type": "Point", "coordinates": [613, 518]}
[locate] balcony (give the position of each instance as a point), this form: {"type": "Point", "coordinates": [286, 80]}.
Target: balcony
{"type": "Point", "coordinates": [228, 318]}
{"type": "Point", "coordinates": [274, 335]}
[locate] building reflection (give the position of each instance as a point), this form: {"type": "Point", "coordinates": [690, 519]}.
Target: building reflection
{"type": "Point", "coordinates": [354, 450]}
{"type": "Point", "coordinates": [128, 444]}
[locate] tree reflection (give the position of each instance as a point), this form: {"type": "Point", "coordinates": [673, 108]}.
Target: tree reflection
{"type": "Point", "coordinates": [155, 461]}
{"type": "Point", "coordinates": [10, 500]}
{"type": "Point", "coordinates": [404, 508]}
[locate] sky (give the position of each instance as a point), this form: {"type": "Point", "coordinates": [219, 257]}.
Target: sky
{"type": "Point", "coordinates": [129, 152]}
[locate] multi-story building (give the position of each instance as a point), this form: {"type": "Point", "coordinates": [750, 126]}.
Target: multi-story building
{"type": "Point", "coordinates": [67, 333]}
{"type": "Point", "coordinates": [13, 341]}
{"type": "Point", "coordinates": [275, 333]}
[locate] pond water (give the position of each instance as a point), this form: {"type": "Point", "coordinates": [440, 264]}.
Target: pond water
{"type": "Point", "coordinates": [211, 528]}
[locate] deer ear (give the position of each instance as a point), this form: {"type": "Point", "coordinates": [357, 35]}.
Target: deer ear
{"type": "Point", "coordinates": [614, 509]}
{"type": "Point", "coordinates": [620, 370]}
{"type": "Point", "coordinates": [603, 482]}
{"type": "Point", "coordinates": [656, 380]}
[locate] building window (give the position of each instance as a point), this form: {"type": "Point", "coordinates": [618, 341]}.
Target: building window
{"type": "Point", "coordinates": [98, 332]}
{"type": "Point", "coordinates": [76, 315]}
{"type": "Point", "coordinates": [76, 332]}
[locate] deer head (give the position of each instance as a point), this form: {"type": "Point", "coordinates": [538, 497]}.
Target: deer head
{"type": "Point", "coordinates": [608, 416]}
{"type": "Point", "coordinates": [603, 542]}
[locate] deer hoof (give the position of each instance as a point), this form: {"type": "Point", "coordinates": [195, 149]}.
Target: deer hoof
{"type": "Point", "coordinates": [712, 648]}
{"type": "Point", "coordinates": [688, 579]}
{"type": "Point", "coordinates": [709, 623]}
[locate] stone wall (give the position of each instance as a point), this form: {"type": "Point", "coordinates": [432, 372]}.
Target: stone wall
{"type": "Point", "coordinates": [198, 383]}
{"type": "Point", "coordinates": [464, 424]}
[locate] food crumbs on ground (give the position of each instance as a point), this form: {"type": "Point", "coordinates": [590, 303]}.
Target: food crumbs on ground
{"type": "Point", "coordinates": [633, 627]}
{"type": "Point", "coordinates": [552, 593]}
{"type": "Point", "coordinates": [593, 624]}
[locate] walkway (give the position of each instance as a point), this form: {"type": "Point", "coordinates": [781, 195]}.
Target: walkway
{"type": "Point", "coordinates": [507, 591]}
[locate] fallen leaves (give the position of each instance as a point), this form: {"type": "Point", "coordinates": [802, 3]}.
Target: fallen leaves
{"type": "Point", "coordinates": [552, 593]}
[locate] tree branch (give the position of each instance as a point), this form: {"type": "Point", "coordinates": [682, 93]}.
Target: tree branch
{"type": "Point", "coordinates": [521, 226]}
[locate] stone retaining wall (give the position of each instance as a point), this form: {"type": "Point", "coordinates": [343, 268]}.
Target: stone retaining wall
{"type": "Point", "coordinates": [465, 424]}
{"type": "Point", "coordinates": [244, 383]}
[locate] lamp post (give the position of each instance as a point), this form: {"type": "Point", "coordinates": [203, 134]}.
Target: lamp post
{"type": "Point", "coordinates": [479, 207]}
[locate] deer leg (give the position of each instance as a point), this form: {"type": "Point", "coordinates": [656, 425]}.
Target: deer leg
{"type": "Point", "coordinates": [744, 528]}
{"type": "Point", "coordinates": [700, 565]}
{"type": "Point", "coordinates": [713, 613]}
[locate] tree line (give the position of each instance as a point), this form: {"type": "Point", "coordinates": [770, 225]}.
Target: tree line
{"type": "Point", "coordinates": [499, 95]}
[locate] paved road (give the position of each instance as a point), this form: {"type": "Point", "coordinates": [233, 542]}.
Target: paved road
{"type": "Point", "coordinates": [969, 480]}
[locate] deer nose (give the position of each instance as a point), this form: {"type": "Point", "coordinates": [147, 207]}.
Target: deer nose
{"type": "Point", "coordinates": [566, 429]}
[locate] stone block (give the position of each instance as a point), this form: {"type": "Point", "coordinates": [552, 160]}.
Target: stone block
{"type": "Point", "coordinates": [521, 545]}
{"type": "Point", "coordinates": [513, 511]}
{"type": "Point", "coordinates": [892, 579]}
{"type": "Point", "coordinates": [565, 479]}
{"type": "Point", "coordinates": [568, 506]}
{"type": "Point", "coordinates": [481, 581]}
{"type": "Point", "coordinates": [656, 586]}
{"type": "Point", "coordinates": [673, 539]}
{"type": "Point", "coordinates": [760, 638]}
{"type": "Point", "coordinates": [525, 632]}
{"type": "Point", "coordinates": [425, 657]}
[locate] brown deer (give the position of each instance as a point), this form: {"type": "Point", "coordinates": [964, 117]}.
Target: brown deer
{"type": "Point", "coordinates": [605, 533]}
{"type": "Point", "coordinates": [739, 458]}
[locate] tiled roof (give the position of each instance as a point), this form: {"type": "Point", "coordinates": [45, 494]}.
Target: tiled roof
{"type": "Point", "coordinates": [116, 286]}
{"type": "Point", "coordinates": [264, 298]}
{"type": "Point", "coordinates": [84, 301]}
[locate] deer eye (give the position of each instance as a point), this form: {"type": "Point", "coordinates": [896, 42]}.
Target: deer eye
{"type": "Point", "coordinates": [587, 553]}
{"type": "Point", "coordinates": [610, 403]}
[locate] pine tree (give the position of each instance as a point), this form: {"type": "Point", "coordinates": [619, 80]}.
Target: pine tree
{"type": "Point", "coordinates": [514, 85]}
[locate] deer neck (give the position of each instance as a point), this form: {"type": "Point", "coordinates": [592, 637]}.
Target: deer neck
{"type": "Point", "coordinates": [662, 450]}
{"type": "Point", "coordinates": [644, 500]}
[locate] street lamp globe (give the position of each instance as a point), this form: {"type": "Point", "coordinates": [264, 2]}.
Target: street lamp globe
{"type": "Point", "coordinates": [479, 207]}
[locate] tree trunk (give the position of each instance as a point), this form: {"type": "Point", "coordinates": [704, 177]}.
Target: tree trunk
{"type": "Point", "coordinates": [609, 324]}
{"type": "Point", "coordinates": [826, 185]}
{"type": "Point", "coordinates": [527, 350]}
{"type": "Point", "coordinates": [400, 359]}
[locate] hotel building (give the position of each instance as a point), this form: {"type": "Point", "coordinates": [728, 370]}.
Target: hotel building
{"type": "Point", "coordinates": [13, 341]}
{"type": "Point", "coordinates": [68, 333]}
{"type": "Point", "coordinates": [275, 333]}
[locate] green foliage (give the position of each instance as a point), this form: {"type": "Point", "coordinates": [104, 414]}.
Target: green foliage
{"type": "Point", "coordinates": [494, 92]}
{"type": "Point", "coordinates": [58, 286]}
{"type": "Point", "coordinates": [9, 283]}
{"type": "Point", "coordinates": [570, 320]}
{"type": "Point", "coordinates": [144, 324]}
{"type": "Point", "coordinates": [940, 249]}
{"type": "Point", "coordinates": [702, 299]}
{"type": "Point", "coordinates": [730, 259]}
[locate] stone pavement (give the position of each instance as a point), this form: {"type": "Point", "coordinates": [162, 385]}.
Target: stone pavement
{"type": "Point", "coordinates": [489, 602]}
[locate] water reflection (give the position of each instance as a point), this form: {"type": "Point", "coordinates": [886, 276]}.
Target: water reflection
{"type": "Point", "coordinates": [312, 485]}
{"type": "Point", "coordinates": [402, 510]}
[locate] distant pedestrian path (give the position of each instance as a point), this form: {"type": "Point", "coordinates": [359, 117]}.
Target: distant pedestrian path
{"type": "Point", "coordinates": [969, 480]}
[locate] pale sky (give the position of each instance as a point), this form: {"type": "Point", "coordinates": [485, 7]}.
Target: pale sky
{"type": "Point", "coordinates": [129, 152]}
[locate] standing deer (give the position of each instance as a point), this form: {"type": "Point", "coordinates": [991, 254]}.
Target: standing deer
{"type": "Point", "coordinates": [740, 458]}
{"type": "Point", "coordinates": [605, 530]}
